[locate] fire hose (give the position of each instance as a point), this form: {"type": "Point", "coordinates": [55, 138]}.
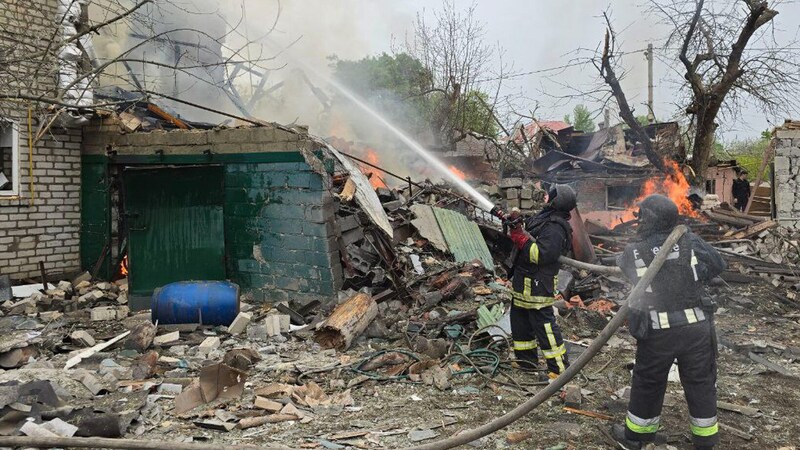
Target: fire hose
{"type": "Point", "coordinates": [453, 441]}
{"type": "Point", "coordinates": [597, 344]}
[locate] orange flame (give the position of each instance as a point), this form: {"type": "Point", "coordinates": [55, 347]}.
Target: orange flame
{"type": "Point", "coordinates": [375, 175]}
{"type": "Point", "coordinates": [676, 188]}
{"type": "Point", "coordinates": [457, 172]}
{"type": "Point", "coordinates": [123, 266]}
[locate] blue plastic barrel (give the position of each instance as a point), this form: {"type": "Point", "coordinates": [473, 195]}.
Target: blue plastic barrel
{"type": "Point", "coordinates": [206, 302]}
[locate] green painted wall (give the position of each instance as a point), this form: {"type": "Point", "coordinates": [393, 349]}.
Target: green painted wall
{"type": "Point", "coordinates": [279, 230]}
{"type": "Point", "coordinates": [95, 214]}
{"type": "Point", "coordinates": [278, 221]}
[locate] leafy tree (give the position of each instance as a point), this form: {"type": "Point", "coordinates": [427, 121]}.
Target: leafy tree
{"type": "Point", "coordinates": [582, 119]}
{"type": "Point", "coordinates": [748, 153]}
{"type": "Point", "coordinates": [399, 86]}
{"type": "Point", "coordinates": [390, 83]}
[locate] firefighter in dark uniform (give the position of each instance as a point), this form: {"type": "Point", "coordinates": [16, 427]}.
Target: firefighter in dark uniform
{"type": "Point", "coordinates": [540, 242]}
{"type": "Point", "coordinates": [672, 321]}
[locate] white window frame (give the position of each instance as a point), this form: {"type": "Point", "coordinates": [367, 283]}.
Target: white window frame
{"type": "Point", "coordinates": [15, 172]}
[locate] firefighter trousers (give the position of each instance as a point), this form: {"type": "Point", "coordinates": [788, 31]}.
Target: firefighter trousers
{"type": "Point", "coordinates": [537, 328]}
{"type": "Point", "coordinates": [692, 346]}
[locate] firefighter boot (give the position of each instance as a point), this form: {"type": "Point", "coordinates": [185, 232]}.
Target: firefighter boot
{"type": "Point", "coordinates": [618, 433]}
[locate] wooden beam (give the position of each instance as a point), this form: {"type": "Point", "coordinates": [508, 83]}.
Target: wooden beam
{"type": "Point", "coordinates": [769, 153]}
{"type": "Point", "coordinates": [755, 229]}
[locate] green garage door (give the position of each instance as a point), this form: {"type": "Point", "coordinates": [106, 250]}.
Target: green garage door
{"type": "Point", "coordinates": [175, 227]}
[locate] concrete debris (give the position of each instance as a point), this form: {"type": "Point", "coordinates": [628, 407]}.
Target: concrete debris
{"type": "Point", "coordinates": [141, 337]}
{"type": "Point", "coordinates": [167, 338]}
{"type": "Point", "coordinates": [208, 345]}
{"type": "Point", "coordinates": [417, 319]}
{"type": "Point", "coordinates": [240, 323]}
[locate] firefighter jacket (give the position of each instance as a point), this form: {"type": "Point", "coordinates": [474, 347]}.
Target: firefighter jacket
{"type": "Point", "coordinates": [680, 283]}
{"type": "Point", "coordinates": [536, 265]}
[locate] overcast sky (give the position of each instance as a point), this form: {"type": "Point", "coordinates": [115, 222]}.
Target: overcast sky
{"type": "Point", "coordinates": [536, 35]}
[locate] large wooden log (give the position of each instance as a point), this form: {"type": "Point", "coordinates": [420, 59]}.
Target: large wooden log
{"type": "Point", "coordinates": [347, 322]}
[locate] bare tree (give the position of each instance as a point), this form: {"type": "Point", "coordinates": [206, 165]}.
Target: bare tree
{"type": "Point", "coordinates": [452, 49]}
{"type": "Point", "coordinates": [729, 57]}
{"type": "Point", "coordinates": [606, 68]}
{"type": "Point", "coordinates": [155, 44]}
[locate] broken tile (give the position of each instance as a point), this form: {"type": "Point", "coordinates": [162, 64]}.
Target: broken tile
{"type": "Point", "coordinates": [61, 428]}
{"type": "Point", "coordinates": [34, 430]}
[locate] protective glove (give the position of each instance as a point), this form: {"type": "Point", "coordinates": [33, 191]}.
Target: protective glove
{"type": "Point", "coordinates": [519, 236]}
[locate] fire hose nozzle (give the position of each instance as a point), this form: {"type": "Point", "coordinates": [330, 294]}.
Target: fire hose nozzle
{"type": "Point", "coordinates": [513, 219]}
{"type": "Point", "coordinates": [497, 212]}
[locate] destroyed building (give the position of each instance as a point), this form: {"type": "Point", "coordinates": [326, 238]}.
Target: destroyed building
{"type": "Point", "coordinates": [248, 204]}
{"type": "Point", "coordinates": [786, 171]}
{"type": "Point", "coordinates": [609, 168]}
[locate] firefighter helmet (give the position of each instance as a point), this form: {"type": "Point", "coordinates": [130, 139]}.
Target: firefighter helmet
{"type": "Point", "coordinates": [657, 212]}
{"type": "Point", "coordinates": [562, 197]}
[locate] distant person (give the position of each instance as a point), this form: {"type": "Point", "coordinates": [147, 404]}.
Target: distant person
{"type": "Point", "coordinates": [741, 191]}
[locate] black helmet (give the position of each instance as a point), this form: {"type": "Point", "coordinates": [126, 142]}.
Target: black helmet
{"type": "Point", "coordinates": [657, 213]}
{"type": "Point", "coordinates": [562, 197]}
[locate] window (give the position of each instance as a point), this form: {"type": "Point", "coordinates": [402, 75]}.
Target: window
{"type": "Point", "coordinates": [621, 197]}
{"type": "Point", "coordinates": [9, 158]}
{"type": "Point", "coordinates": [711, 186]}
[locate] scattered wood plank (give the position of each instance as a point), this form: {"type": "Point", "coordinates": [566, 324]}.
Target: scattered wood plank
{"type": "Point", "coordinates": [728, 220]}
{"type": "Point", "coordinates": [166, 116]}
{"type": "Point", "coordinates": [736, 432]}
{"type": "Point", "coordinates": [770, 365]}
{"type": "Point", "coordinates": [591, 414]}
{"type": "Point", "coordinates": [744, 410]}
{"type": "Point", "coordinates": [768, 155]}
{"type": "Point", "coordinates": [733, 212]}
{"type": "Point", "coordinates": [755, 229]}
{"type": "Point", "coordinates": [75, 360]}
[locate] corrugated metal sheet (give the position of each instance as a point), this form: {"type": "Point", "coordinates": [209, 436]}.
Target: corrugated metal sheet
{"type": "Point", "coordinates": [464, 238]}
{"type": "Point", "coordinates": [365, 194]}
{"type": "Point", "coordinates": [427, 226]}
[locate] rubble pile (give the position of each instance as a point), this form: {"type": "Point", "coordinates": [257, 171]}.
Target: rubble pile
{"type": "Point", "coordinates": [516, 193]}
{"type": "Point", "coordinates": [421, 327]}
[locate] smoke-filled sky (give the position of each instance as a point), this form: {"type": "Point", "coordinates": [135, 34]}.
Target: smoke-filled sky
{"type": "Point", "coordinates": [536, 35]}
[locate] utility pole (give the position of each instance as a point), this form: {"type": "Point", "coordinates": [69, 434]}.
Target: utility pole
{"type": "Point", "coordinates": [651, 117]}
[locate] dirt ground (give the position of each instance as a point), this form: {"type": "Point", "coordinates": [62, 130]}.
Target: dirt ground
{"type": "Point", "coordinates": [397, 414]}
{"type": "Point", "coordinates": [385, 414]}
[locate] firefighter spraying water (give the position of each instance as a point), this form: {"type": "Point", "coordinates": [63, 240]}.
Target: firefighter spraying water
{"type": "Point", "coordinates": [538, 243]}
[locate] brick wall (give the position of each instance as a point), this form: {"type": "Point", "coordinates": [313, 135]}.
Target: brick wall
{"type": "Point", "coordinates": [279, 230]}
{"type": "Point", "coordinates": [787, 177]}
{"type": "Point", "coordinates": [40, 224]}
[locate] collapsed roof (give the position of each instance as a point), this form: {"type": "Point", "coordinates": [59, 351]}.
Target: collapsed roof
{"type": "Point", "coordinates": [568, 155]}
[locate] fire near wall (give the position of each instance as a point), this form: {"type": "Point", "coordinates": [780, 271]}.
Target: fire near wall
{"type": "Point", "coordinates": [787, 176]}
{"type": "Point", "coordinates": [277, 212]}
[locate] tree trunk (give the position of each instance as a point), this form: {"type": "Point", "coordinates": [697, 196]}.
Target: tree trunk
{"type": "Point", "coordinates": [703, 142]}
